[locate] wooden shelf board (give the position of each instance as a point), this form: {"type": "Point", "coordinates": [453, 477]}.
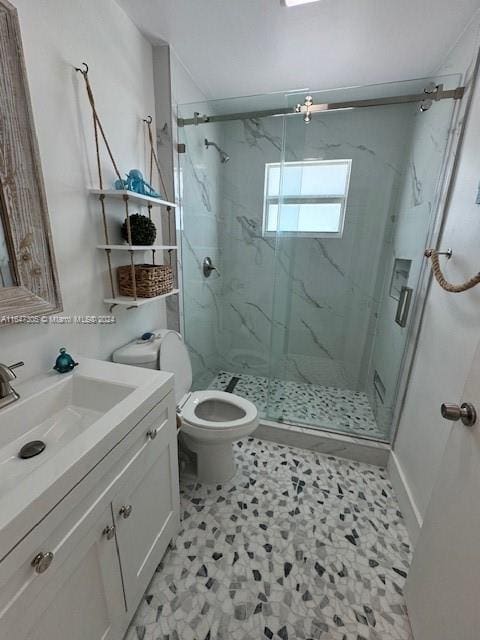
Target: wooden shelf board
{"type": "Point", "coordinates": [126, 301]}
{"type": "Point", "coordinates": [136, 247]}
{"type": "Point", "coordinates": [132, 197]}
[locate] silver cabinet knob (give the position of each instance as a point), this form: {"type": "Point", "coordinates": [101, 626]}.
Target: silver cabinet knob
{"type": "Point", "coordinates": [42, 561]}
{"type": "Point", "coordinates": [125, 511]}
{"type": "Point", "coordinates": [466, 413]}
{"type": "Point", "coordinates": [152, 433]}
{"type": "Point", "coordinates": [109, 532]}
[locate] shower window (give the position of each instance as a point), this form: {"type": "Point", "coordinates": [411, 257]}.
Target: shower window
{"type": "Point", "coordinates": [306, 198]}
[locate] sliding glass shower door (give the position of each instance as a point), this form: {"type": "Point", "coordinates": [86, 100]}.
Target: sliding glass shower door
{"type": "Point", "coordinates": [351, 206]}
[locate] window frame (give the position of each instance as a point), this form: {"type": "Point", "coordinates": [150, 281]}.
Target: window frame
{"type": "Point", "coordinates": [314, 199]}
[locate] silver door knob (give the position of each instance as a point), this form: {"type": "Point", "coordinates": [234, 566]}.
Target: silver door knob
{"type": "Point", "coordinates": [42, 561]}
{"type": "Point", "coordinates": [125, 511]}
{"type": "Point", "coordinates": [466, 413]}
{"type": "Point", "coordinates": [152, 434]}
{"type": "Point", "coordinates": [109, 532]}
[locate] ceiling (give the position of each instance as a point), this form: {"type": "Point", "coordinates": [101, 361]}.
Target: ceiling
{"type": "Point", "coordinates": [244, 47]}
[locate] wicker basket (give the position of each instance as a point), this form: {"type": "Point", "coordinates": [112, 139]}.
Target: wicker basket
{"type": "Point", "coordinates": [151, 280]}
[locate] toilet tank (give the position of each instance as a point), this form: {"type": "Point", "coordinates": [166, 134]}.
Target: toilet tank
{"type": "Point", "coordinates": [139, 354]}
{"type": "Point", "coordinates": [166, 352]}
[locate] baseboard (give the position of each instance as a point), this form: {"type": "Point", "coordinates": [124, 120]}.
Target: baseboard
{"type": "Point", "coordinates": [413, 518]}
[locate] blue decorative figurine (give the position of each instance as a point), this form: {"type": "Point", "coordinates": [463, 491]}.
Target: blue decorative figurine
{"type": "Point", "coordinates": [137, 184]}
{"type": "Point", "coordinates": [64, 362]}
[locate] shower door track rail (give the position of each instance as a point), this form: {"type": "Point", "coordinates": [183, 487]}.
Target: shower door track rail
{"type": "Point", "coordinates": [426, 98]}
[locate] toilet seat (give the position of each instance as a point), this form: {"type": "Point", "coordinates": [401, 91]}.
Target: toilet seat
{"type": "Point", "coordinates": [228, 412]}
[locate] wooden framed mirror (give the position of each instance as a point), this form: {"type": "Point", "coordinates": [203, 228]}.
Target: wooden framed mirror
{"type": "Point", "coordinates": [28, 276]}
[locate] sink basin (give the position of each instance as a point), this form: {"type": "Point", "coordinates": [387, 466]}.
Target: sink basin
{"type": "Point", "coordinates": [55, 416]}
{"type": "Point", "coordinates": [80, 416]}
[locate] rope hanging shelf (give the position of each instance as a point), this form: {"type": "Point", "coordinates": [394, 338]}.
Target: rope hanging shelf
{"type": "Point", "coordinates": [433, 254]}
{"type": "Point", "coordinates": [139, 302]}
{"type": "Point", "coordinates": [137, 198]}
{"type": "Point", "coordinates": [138, 247]}
{"type": "Point", "coordinates": [128, 197]}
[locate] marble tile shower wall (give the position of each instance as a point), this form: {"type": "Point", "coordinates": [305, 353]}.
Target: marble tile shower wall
{"type": "Point", "coordinates": [414, 215]}
{"type": "Point", "coordinates": [322, 313]}
{"type": "Point", "coordinates": [200, 194]}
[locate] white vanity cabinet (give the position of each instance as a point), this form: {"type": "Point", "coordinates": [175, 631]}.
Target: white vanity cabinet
{"type": "Point", "coordinates": [106, 538]}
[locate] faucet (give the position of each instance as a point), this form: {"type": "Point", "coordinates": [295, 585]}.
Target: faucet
{"type": "Point", "coordinates": [7, 394]}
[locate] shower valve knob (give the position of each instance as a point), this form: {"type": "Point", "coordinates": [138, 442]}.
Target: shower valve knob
{"type": "Point", "coordinates": [466, 413]}
{"type": "Point", "coordinates": [208, 267]}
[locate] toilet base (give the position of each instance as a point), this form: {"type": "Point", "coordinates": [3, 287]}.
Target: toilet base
{"type": "Point", "coordinates": [215, 462]}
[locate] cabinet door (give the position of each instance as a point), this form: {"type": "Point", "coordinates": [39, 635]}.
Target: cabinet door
{"type": "Point", "coordinates": [79, 596]}
{"type": "Point", "coordinates": [146, 508]}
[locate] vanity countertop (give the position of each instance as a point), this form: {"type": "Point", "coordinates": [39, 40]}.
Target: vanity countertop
{"type": "Point", "coordinates": [105, 401]}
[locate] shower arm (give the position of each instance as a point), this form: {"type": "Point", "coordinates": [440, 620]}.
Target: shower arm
{"type": "Point", "coordinates": [212, 144]}
{"type": "Point", "coordinates": [224, 157]}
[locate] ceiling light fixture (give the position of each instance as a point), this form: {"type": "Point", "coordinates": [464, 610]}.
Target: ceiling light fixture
{"type": "Point", "coordinates": [295, 3]}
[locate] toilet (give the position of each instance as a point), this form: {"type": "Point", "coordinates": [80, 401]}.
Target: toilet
{"type": "Point", "coordinates": [211, 420]}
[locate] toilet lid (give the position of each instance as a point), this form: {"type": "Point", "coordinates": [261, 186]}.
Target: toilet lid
{"type": "Point", "coordinates": [218, 410]}
{"type": "Point", "coordinates": [173, 357]}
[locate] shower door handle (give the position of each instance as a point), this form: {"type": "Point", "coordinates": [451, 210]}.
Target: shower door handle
{"type": "Point", "coordinates": [403, 306]}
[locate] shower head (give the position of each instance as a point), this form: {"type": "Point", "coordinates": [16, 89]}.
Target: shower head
{"type": "Point", "coordinates": [224, 157]}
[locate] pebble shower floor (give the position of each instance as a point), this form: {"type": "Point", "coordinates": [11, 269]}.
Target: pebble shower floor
{"type": "Point", "coordinates": [296, 546]}
{"type": "Point", "coordinates": [340, 410]}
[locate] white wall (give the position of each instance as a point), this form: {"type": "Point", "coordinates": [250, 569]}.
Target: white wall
{"type": "Point", "coordinates": [450, 329]}
{"type": "Point", "coordinates": [56, 38]}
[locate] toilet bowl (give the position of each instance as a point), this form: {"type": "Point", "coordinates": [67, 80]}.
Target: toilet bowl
{"type": "Point", "coordinates": [211, 420]}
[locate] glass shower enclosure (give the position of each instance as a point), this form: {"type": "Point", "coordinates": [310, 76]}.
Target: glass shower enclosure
{"type": "Point", "coordinates": [315, 220]}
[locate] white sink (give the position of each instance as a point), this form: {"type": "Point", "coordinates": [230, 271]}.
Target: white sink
{"type": "Point", "coordinates": [80, 416]}
{"type": "Point", "coordinates": [56, 416]}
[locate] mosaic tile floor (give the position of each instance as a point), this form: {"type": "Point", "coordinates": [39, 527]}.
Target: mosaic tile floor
{"type": "Point", "coordinates": [296, 546]}
{"type": "Point", "coordinates": [308, 404]}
